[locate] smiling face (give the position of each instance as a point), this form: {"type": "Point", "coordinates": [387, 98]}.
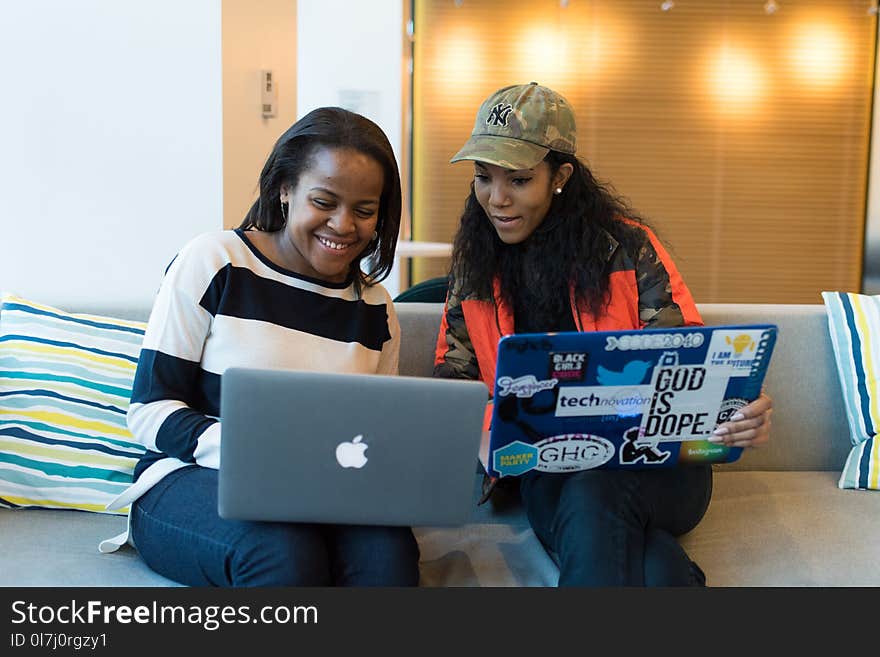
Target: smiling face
{"type": "Point", "coordinates": [333, 212]}
{"type": "Point", "coordinates": [517, 201]}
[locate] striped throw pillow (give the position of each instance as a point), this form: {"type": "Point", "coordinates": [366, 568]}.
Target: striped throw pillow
{"type": "Point", "coordinates": [854, 325]}
{"type": "Point", "coordinates": [65, 385]}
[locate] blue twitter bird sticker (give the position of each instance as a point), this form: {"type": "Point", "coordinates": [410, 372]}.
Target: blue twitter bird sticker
{"type": "Point", "coordinates": [633, 374]}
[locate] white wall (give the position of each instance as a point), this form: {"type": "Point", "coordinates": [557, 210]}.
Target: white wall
{"type": "Point", "coordinates": [110, 144]}
{"type": "Point", "coordinates": [349, 54]}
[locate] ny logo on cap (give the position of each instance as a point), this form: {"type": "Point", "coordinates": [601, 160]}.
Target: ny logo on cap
{"type": "Point", "coordinates": [498, 115]}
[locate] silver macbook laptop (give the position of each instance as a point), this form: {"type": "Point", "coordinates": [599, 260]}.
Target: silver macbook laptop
{"type": "Point", "coordinates": [348, 448]}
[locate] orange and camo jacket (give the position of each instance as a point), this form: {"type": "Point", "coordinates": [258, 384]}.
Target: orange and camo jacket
{"type": "Point", "coordinates": [645, 291]}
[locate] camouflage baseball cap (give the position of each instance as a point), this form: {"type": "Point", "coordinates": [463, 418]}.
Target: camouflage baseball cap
{"type": "Point", "coordinates": [518, 125]}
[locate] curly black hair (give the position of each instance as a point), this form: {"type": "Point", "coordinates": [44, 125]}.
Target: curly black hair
{"type": "Point", "coordinates": [569, 247]}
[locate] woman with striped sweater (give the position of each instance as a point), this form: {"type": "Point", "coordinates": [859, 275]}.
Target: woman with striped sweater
{"type": "Point", "coordinates": [287, 289]}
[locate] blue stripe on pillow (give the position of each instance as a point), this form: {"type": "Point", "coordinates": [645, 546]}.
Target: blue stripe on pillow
{"type": "Point", "coordinates": [23, 324]}
{"type": "Point", "coordinates": [72, 345]}
{"type": "Point", "coordinates": [65, 387]}
{"type": "Point", "coordinates": [29, 479]}
{"type": "Point", "coordinates": [840, 345]}
{"type": "Point", "coordinates": [862, 396]}
{"type": "Point", "coordinates": [11, 307]}
{"type": "Point", "coordinates": [49, 393]}
{"type": "Point", "coordinates": [30, 405]}
{"type": "Point", "coordinates": [22, 434]}
{"type": "Point", "coordinates": [50, 429]}
{"type": "Point", "coordinates": [854, 327]}
{"type": "Point", "coordinates": [66, 469]}
{"type": "Point", "coordinates": [864, 464]}
{"type": "Point", "coordinates": [112, 390]}
{"type": "Point", "coordinates": [62, 367]}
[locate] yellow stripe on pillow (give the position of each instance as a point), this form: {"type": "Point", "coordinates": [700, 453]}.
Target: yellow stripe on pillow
{"type": "Point", "coordinates": [65, 385]}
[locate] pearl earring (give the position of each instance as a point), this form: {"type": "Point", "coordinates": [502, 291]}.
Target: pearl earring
{"type": "Point", "coordinates": [375, 235]}
{"type": "Point", "coordinates": [558, 191]}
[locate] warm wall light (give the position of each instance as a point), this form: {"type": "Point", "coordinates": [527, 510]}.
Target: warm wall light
{"type": "Point", "coordinates": [463, 60]}
{"type": "Point", "coordinates": [737, 80]}
{"type": "Point", "coordinates": [542, 54]}
{"type": "Point", "coordinates": [575, 50]}
{"type": "Point", "coordinates": [818, 54]}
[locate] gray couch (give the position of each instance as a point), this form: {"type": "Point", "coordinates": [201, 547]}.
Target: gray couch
{"type": "Point", "coordinates": [776, 518]}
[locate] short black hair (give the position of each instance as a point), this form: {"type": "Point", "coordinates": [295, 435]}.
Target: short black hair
{"type": "Point", "coordinates": [332, 127]}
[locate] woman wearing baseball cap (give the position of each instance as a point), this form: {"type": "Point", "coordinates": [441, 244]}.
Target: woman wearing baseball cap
{"type": "Point", "coordinates": [543, 246]}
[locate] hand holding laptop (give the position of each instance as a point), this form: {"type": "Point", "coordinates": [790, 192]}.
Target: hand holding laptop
{"type": "Point", "coordinates": [751, 430]}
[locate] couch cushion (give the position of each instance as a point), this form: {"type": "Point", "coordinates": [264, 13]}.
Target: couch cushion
{"type": "Point", "coordinates": [419, 326]}
{"type": "Point", "coordinates": [854, 326]}
{"type": "Point", "coordinates": [761, 529]}
{"type": "Point", "coordinates": [496, 548]}
{"type": "Point", "coordinates": [65, 383]}
{"type": "Point", "coordinates": [765, 528]}
{"type": "Point", "coordinates": [43, 547]}
{"type": "Point", "coordinates": [787, 529]}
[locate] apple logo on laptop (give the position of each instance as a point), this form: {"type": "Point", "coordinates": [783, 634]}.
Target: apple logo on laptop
{"type": "Point", "coordinates": [351, 454]}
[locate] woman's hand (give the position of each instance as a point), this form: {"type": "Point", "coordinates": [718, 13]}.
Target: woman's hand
{"type": "Point", "coordinates": [748, 427]}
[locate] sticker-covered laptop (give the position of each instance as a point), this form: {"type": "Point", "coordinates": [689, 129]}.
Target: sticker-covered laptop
{"type": "Point", "coordinates": [622, 399]}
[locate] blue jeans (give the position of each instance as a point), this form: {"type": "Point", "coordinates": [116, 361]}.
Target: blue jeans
{"type": "Point", "coordinates": [618, 527]}
{"type": "Point", "coordinates": [179, 534]}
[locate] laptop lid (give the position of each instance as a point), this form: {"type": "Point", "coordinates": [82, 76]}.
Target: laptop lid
{"type": "Point", "coordinates": [622, 399]}
{"type": "Point", "coordinates": [348, 448]}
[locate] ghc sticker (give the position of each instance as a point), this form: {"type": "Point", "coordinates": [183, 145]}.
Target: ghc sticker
{"type": "Point", "coordinates": [515, 459]}
{"type": "Point", "coordinates": [573, 451]}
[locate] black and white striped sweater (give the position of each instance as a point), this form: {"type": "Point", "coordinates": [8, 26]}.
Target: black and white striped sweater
{"type": "Point", "coordinates": [223, 304]}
